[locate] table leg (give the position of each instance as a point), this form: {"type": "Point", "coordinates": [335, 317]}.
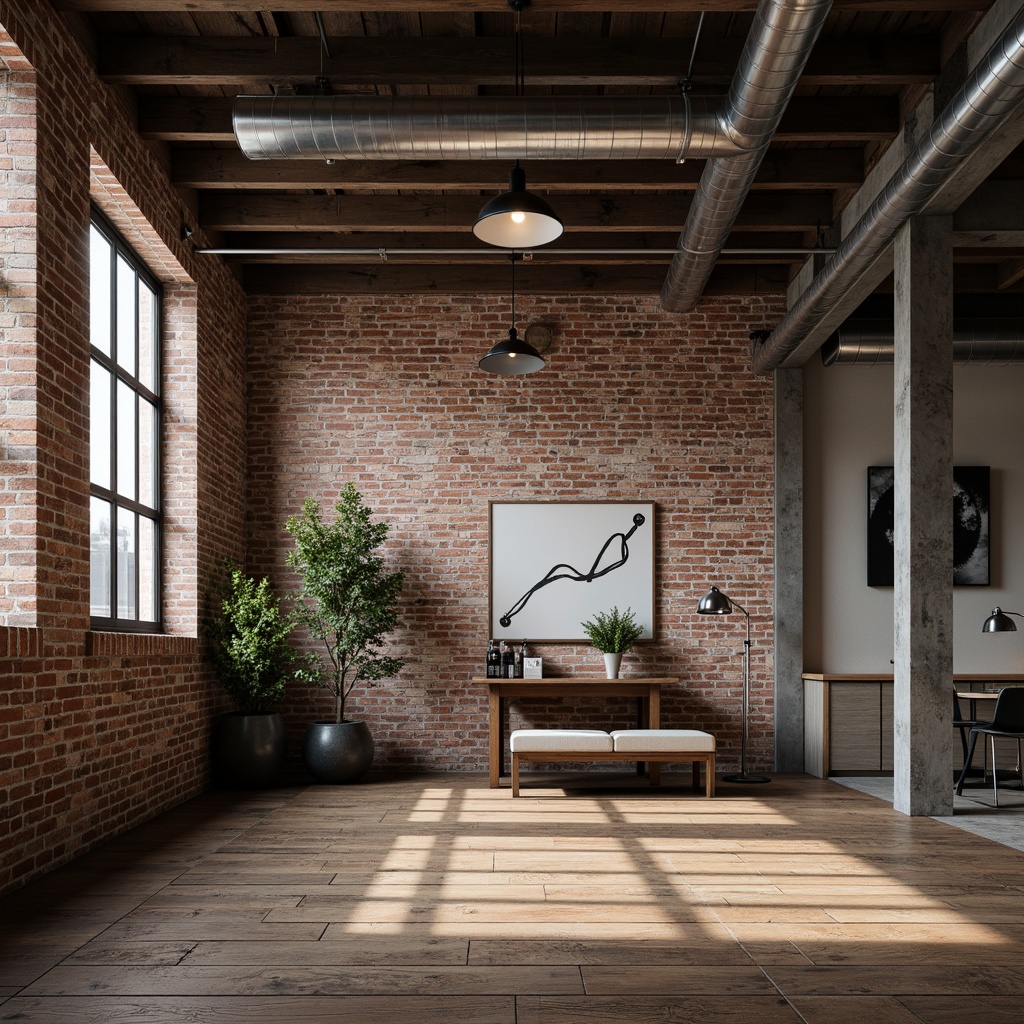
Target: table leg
{"type": "Point", "coordinates": [496, 734]}
{"type": "Point", "coordinates": [654, 722]}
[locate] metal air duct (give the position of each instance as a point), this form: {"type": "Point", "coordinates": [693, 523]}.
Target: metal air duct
{"type": "Point", "coordinates": [777, 48]}
{"type": "Point", "coordinates": [343, 127]}
{"type": "Point", "coordinates": [992, 91]}
{"type": "Point", "coordinates": [871, 342]}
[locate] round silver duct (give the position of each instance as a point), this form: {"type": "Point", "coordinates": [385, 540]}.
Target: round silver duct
{"type": "Point", "coordinates": [870, 342]}
{"type": "Point", "coordinates": [479, 128]}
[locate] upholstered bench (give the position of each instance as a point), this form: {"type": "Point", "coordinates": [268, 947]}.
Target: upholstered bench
{"type": "Point", "coordinates": [650, 745]}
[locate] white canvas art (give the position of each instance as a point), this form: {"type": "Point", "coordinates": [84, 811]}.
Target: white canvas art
{"type": "Point", "coordinates": [555, 565]}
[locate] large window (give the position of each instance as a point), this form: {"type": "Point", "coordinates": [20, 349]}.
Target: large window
{"type": "Point", "coordinates": [124, 422]}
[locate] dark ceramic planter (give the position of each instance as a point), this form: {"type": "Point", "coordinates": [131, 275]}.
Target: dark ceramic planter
{"type": "Point", "coordinates": [337, 751]}
{"type": "Point", "coordinates": [249, 750]}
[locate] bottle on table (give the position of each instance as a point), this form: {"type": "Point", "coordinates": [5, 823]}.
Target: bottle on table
{"type": "Point", "coordinates": [508, 661]}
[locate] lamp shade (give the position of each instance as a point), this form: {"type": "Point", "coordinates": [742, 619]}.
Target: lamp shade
{"type": "Point", "coordinates": [512, 357]}
{"type": "Point", "coordinates": [714, 602]}
{"type": "Point", "coordinates": [1000, 622]}
{"type": "Point", "coordinates": [517, 219]}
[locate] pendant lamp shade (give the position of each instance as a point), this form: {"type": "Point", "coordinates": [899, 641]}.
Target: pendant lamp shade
{"type": "Point", "coordinates": [517, 219]}
{"type": "Point", "coordinates": [512, 357]}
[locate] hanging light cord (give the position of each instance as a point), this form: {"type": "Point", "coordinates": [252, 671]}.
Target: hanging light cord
{"type": "Point", "coordinates": [688, 80]}
{"type": "Point", "coordinates": [513, 288]}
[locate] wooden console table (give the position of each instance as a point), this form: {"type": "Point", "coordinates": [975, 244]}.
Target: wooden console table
{"type": "Point", "coordinates": [646, 691]}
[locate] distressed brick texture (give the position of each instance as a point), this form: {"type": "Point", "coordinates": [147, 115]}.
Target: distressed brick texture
{"type": "Point", "coordinates": [98, 733]}
{"type": "Point", "coordinates": [635, 404]}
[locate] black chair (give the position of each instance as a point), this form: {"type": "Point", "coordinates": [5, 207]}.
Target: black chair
{"type": "Point", "coordinates": [1008, 723]}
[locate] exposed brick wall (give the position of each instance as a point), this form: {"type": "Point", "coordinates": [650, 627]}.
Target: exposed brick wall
{"type": "Point", "coordinates": [99, 733]}
{"type": "Point", "coordinates": [634, 404]}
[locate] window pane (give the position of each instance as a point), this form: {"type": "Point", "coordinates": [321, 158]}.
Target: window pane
{"type": "Point", "coordinates": [100, 385]}
{"type": "Point", "coordinates": [126, 340]}
{"type": "Point", "coordinates": [147, 570]}
{"type": "Point", "coordinates": [148, 461]}
{"type": "Point", "coordinates": [99, 291]}
{"type": "Point", "coordinates": [99, 545]}
{"type": "Point", "coordinates": [125, 440]}
{"type": "Point", "coordinates": [125, 564]}
{"type": "Point", "coordinates": [147, 336]}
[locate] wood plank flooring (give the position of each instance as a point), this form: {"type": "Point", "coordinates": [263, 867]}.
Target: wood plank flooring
{"type": "Point", "coordinates": [431, 898]}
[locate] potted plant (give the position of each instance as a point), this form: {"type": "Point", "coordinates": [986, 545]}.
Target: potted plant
{"type": "Point", "coordinates": [347, 601]}
{"type": "Point", "coordinates": [252, 657]}
{"type": "Point", "coordinates": [613, 633]}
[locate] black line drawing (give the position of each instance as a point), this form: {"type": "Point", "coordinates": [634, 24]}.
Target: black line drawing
{"type": "Point", "coordinates": [574, 575]}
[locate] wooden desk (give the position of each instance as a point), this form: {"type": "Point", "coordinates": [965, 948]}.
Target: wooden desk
{"type": "Point", "coordinates": [646, 691]}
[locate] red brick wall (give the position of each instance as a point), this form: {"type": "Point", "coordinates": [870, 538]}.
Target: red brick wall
{"type": "Point", "coordinates": [98, 732]}
{"type": "Point", "coordinates": [634, 404]}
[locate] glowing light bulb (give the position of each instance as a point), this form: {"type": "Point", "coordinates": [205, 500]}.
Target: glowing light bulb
{"type": "Point", "coordinates": [518, 217]}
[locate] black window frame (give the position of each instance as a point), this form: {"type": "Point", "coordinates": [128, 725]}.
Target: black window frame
{"type": "Point", "coordinates": [119, 247]}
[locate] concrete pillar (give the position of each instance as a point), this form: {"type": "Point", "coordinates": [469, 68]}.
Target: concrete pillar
{"type": "Point", "coordinates": [923, 593]}
{"type": "Point", "coordinates": [789, 570]}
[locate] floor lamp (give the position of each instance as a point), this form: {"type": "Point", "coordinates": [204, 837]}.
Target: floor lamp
{"type": "Point", "coordinates": [714, 602]}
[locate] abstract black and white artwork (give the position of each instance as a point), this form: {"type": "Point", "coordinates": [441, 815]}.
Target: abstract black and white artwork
{"type": "Point", "coordinates": [970, 526]}
{"type": "Point", "coordinates": [555, 564]}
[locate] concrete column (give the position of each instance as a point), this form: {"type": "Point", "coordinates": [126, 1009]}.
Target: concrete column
{"type": "Point", "coordinates": [789, 570]}
{"type": "Point", "coordinates": [923, 594]}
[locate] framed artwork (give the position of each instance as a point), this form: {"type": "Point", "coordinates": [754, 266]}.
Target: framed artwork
{"type": "Point", "coordinates": [970, 526]}
{"type": "Point", "coordinates": [555, 564]}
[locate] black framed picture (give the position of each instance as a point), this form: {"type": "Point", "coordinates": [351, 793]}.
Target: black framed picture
{"type": "Point", "coordinates": [555, 564]}
{"type": "Point", "coordinates": [970, 526]}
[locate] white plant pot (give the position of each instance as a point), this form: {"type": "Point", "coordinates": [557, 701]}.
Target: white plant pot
{"type": "Point", "coordinates": [611, 665]}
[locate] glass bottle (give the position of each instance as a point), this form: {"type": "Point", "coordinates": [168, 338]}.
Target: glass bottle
{"type": "Point", "coordinates": [508, 661]}
{"type": "Point", "coordinates": [490, 659]}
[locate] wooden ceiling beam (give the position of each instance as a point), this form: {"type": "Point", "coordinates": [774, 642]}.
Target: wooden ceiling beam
{"type": "Point", "coordinates": [807, 119]}
{"type": "Point", "coordinates": [246, 62]}
{"type": "Point", "coordinates": [781, 169]}
{"type": "Point", "coordinates": [224, 211]}
{"type": "Point", "coordinates": [388, 279]}
{"type": "Point", "coordinates": [490, 6]}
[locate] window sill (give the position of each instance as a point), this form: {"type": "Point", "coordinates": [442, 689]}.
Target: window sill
{"type": "Point", "coordinates": [139, 645]}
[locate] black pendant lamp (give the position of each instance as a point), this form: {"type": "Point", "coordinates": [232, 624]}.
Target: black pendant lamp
{"type": "Point", "coordinates": [512, 357]}
{"type": "Point", "coordinates": [517, 219]}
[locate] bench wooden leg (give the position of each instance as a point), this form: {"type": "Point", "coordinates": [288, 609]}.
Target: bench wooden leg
{"type": "Point", "coordinates": [515, 775]}
{"type": "Point", "coordinates": [709, 768]}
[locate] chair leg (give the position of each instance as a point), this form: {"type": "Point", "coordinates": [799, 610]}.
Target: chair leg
{"type": "Point", "coordinates": [995, 774]}
{"type": "Point", "coordinates": [515, 775]}
{"type": "Point", "coordinates": [967, 762]}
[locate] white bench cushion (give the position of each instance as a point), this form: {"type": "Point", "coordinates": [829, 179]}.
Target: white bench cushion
{"type": "Point", "coordinates": [663, 740]}
{"type": "Point", "coordinates": [559, 739]}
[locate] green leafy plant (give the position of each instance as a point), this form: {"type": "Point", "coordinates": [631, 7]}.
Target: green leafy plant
{"type": "Point", "coordinates": [613, 632]}
{"type": "Point", "coordinates": [347, 600]}
{"type": "Point", "coordinates": [250, 640]}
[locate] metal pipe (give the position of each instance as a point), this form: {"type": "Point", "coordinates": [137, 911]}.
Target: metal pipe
{"type": "Point", "coordinates": [377, 250]}
{"type": "Point", "coordinates": [994, 89]}
{"type": "Point", "coordinates": [348, 127]}
{"type": "Point", "coordinates": [775, 53]}
{"type": "Point", "coordinates": [871, 342]}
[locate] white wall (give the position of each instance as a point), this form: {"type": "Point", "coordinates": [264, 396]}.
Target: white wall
{"type": "Point", "coordinates": [848, 426]}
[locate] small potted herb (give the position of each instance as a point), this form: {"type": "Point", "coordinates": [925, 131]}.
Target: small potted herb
{"type": "Point", "coordinates": [613, 633]}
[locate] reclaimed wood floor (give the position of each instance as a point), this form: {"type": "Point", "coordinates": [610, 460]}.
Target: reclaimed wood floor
{"type": "Point", "coordinates": [432, 898]}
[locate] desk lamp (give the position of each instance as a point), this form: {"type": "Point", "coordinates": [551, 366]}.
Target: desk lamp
{"type": "Point", "coordinates": [714, 602]}
{"type": "Point", "coordinates": [1000, 621]}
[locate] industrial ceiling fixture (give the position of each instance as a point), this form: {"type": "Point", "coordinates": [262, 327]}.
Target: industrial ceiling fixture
{"type": "Point", "coordinates": [517, 219]}
{"type": "Point", "coordinates": [512, 357]}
